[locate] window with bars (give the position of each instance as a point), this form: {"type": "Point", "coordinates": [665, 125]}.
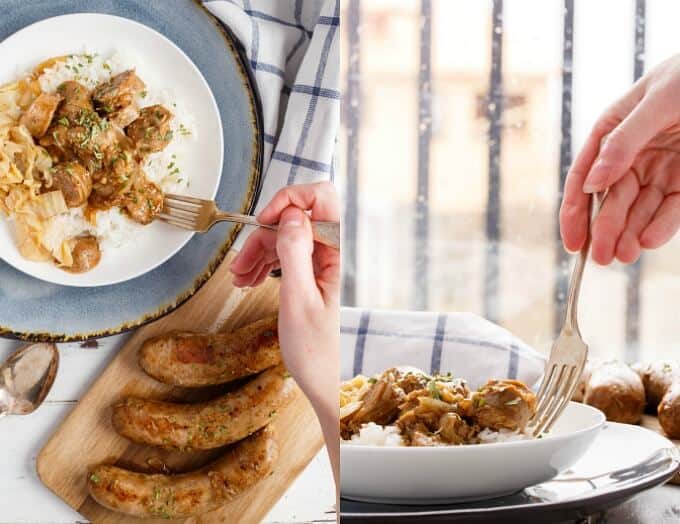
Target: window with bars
{"type": "Point", "coordinates": [459, 124]}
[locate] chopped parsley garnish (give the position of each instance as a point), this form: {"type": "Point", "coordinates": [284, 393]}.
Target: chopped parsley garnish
{"type": "Point", "coordinates": [183, 130]}
{"type": "Point", "coordinates": [64, 121]}
{"type": "Point", "coordinates": [434, 390]}
{"type": "Point", "coordinates": [372, 380]}
{"type": "Point", "coordinates": [143, 94]}
{"type": "Point", "coordinates": [95, 478]}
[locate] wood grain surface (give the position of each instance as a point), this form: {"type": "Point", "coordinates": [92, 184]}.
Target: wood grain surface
{"type": "Point", "coordinates": [86, 436]}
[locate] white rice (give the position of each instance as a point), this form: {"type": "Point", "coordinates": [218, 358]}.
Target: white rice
{"type": "Point", "coordinates": [488, 436]}
{"type": "Point", "coordinates": [114, 228]}
{"type": "Point", "coordinates": [372, 434]}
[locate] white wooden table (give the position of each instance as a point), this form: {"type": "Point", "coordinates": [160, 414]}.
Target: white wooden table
{"type": "Point", "coordinates": [24, 499]}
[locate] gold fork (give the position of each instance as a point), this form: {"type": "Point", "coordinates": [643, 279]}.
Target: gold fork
{"type": "Point", "coordinates": [196, 214]}
{"type": "Point", "coordinates": [569, 353]}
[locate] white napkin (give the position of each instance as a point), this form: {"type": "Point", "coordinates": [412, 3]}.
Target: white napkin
{"type": "Point", "coordinates": [468, 346]}
{"type": "Point", "coordinates": [294, 49]}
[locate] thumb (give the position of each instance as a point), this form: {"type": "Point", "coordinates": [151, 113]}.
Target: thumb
{"type": "Point", "coordinates": [622, 146]}
{"type": "Point", "coordinates": [294, 246]}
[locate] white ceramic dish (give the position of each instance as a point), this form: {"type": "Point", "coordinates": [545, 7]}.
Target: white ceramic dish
{"type": "Point", "coordinates": [163, 65]}
{"type": "Point", "coordinates": [436, 475]}
{"type": "Point", "coordinates": [623, 461]}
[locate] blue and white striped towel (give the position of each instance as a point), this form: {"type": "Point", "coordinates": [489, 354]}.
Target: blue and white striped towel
{"type": "Point", "coordinates": [464, 344]}
{"type": "Point", "coordinates": [294, 49]}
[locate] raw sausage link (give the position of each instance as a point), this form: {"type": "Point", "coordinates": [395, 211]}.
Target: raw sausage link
{"type": "Point", "coordinates": [617, 390]}
{"type": "Point", "coordinates": [207, 425]}
{"type": "Point", "coordinates": [669, 411]}
{"type": "Point", "coordinates": [192, 359]}
{"type": "Point", "coordinates": [187, 494]}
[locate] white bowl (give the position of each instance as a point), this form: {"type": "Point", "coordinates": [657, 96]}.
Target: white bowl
{"type": "Point", "coordinates": [445, 474]}
{"type": "Point", "coordinates": [161, 65]}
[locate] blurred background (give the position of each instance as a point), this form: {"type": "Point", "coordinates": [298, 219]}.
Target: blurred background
{"type": "Point", "coordinates": [460, 120]}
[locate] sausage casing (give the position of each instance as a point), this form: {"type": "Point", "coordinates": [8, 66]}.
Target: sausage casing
{"type": "Point", "coordinates": [669, 411]}
{"type": "Point", "coordinates": [38, 116]}
{"type": "Point", "coordinates": [617, 390]}
{"type": "Point", "coordinates": [206, 425]}
{"type": "Point", "coordinates": [193, 360]}
{"type": "Point", "coordinates": [657, 378]}
{"type": "Point", "coordinates": [187, 494]}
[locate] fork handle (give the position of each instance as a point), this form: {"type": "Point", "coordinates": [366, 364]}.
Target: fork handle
{"type": "Point", "coordinates": [571, 320]}
{"type": "Point", "coordinates": [326, 233]}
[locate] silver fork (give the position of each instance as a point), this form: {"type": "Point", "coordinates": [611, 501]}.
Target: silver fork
{"type": "Point", "coordinates": [569, 353]}
{"type": "Point", "coordinates": [197, 214]}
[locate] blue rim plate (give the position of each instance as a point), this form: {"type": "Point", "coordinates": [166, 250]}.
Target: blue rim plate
{"type": "Point", "coordinates": [31, 309]}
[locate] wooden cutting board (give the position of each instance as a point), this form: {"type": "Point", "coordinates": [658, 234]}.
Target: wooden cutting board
{"type": "Point", "coordinates": [86, 436]}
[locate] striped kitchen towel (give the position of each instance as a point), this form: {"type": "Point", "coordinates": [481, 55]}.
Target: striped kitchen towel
{"type": "Point", "coordinates": [464, 344]}
{"type": "Point", "coordinates": [294, 50]}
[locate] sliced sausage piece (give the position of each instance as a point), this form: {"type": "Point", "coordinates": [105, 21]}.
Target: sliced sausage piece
{"type": "Point", "coordinates": [207, 425]}
{"type": "Point", "coordinates": [193, 359]}
{"type": "Point", "coordinates": [380, 403]}
{"type": "Point", "coordinates": [151, 131]}
{"type": "Point", "coordinates": [38, 116]}
{"type": "Point", "coordinates": [74, 182]}
{"type": "Point", "coordinates": [86, 255]}
{"type": "Point", "coordinates": [616, 390]}
{"type": "Point", "coordinates": [76, 101]}
{"type": "Point", "coordinates": [125, 116]}
{"type": "Point", "coordinates": [188, 494]}
{"type": "Point", "coordinates": [118, 93]}
{"type": "Point", "coordinates": [657, 377]}
{"type": "Point", "coordinates": [144, 202]}
{"type": "Point", "coordinates": [505, 404]}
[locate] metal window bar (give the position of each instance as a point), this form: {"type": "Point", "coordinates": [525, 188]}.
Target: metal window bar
{"type": "Point", "coordinates": [422, 218]}
{"type": "Point", "coordinates": [493, 206]}
{"type": "Point", "coordinates": [352, 105]}
{"type": "Point", "coordinates": [634, 271]}
{"type": "Point", "coordinates": [561, 256]}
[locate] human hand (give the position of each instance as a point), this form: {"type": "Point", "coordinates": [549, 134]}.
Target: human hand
{"type": "Point", "coordinates": [634, 150]}
{"type": "Point", "coordinates": [309, 296]}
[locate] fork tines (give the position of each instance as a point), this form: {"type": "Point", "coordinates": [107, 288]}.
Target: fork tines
{"type": "Point", "coordinates": [556, 390]}
{"type": "Point", "coordinates": [182, 211]}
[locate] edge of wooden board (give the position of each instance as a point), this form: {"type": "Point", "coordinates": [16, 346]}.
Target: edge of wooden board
{"type": "Point", "coordinates": [232, 307]}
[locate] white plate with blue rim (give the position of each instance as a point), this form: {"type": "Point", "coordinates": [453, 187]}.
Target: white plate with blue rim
{"type": "Point", "coordinates": [227, 162]}
{"type": "Point", "coordinates": [164, 68]}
